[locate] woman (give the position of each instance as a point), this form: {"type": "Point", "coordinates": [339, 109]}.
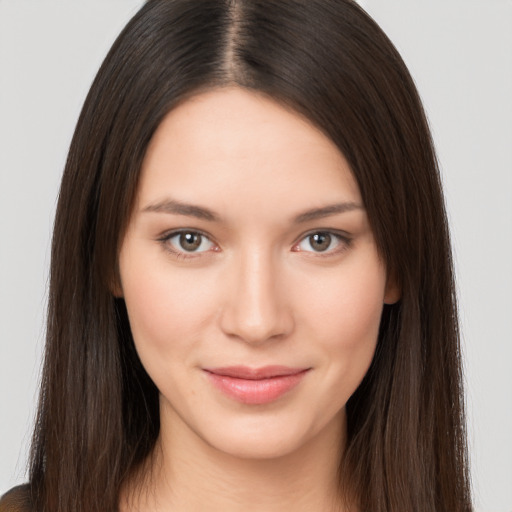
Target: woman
{"type": "Point", "coordinates": [251, 299]}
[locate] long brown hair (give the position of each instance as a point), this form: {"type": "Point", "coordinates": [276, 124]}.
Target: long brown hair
{"type": "Point", "coordinates": [98, 416]}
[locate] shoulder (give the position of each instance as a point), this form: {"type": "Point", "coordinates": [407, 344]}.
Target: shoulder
{"type": "Point", "coordinates": [16, 500]}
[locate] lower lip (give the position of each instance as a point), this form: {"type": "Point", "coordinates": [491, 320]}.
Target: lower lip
{"type": "Point", "coordinates": [256, 392]}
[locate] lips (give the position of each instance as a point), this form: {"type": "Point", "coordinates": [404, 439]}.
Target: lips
{"type": "Point", "coordinates": [255, 386]}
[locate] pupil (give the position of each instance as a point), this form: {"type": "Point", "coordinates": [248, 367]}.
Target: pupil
{"type": "Point", "coordinates": [190, 241]}
{"type": "Point", "coordinates": [320, 241]}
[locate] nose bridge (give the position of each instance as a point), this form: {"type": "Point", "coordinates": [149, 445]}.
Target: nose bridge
{"type": "Point", "coordinates": [255, 309]}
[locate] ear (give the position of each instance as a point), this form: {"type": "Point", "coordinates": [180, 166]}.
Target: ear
{"type": "Point", "coordinates": [393, 291]}
{"type": "Point", "coordinates": [115, 286]}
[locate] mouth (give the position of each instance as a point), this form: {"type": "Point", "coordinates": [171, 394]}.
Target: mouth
{"type": "Point", "coordinates": [255, 386]}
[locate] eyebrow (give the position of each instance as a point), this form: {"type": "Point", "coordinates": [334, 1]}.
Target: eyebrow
{"type": "Point", "coordinates": [326, 211]}
{"type": "Point", "coordinates": [171, 206]}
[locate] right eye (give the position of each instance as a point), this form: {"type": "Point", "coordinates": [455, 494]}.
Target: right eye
{"type": "Point", "coordinates": [187, 242]}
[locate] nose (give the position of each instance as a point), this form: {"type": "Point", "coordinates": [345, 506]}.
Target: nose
{"type": "Point", "coordinates": [255, 308]}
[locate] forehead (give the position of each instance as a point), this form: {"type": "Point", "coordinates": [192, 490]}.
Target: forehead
{"type": "Point", "coordinates": [248, 146]}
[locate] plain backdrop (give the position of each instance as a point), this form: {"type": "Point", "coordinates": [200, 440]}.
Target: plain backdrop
{"type": "Point", "coordinates": [460, 54]}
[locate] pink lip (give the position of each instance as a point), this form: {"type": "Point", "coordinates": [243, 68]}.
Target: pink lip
{"type": "Point", "coordinates": [255, 385]}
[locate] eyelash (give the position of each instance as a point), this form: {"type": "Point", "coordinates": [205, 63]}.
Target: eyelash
{"type": "Point", "coordinates": [344, 241]}
{"type": "Point", "coordinates": [165, 240]}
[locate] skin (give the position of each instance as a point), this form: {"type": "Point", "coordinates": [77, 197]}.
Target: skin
{"type": "Point", "coordinates": [256, 292]}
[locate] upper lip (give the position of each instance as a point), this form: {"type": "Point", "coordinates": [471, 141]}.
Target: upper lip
{"type": "Point", "coordinates": [245, 372]}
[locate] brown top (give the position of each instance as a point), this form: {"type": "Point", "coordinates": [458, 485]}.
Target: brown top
{"type": "Point", "coordinates": [16, 500]}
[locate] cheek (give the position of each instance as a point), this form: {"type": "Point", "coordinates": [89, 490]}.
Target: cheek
{"type": "Point", "coordinates": [166, 310]}
{"type": "Point", "coordinates": [344, 316]}
{"type": "Point", "coordinates": [349, 303]}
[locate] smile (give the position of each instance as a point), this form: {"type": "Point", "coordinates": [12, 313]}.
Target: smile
{"type": "Point", "coordinates": [255, 386]}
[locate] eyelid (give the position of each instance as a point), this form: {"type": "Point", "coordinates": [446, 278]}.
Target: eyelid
{"type": "Point", "coordinates": [168, 235]}
{"type": "Point", "coordinates": [343, 237]}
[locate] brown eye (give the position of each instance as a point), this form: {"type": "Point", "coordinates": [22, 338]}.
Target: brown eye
{"type": "Point", "coordinates": [190, 242]}
{"type": "Point", "coordinates": [323, 242]}
{"type": "Point", "coordinates": [320, 242]}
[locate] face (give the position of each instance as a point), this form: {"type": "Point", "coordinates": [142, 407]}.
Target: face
{"type": "Point", "coordinates": [251, 277]}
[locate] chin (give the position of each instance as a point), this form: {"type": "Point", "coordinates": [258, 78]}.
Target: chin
{"type": "Point", "coordinates": [258, 448]}
{"type": "Point", "coordinates": [272, 437]}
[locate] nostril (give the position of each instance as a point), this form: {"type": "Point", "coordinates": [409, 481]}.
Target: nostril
{"type": "Point", "coordinates": [256, 323]}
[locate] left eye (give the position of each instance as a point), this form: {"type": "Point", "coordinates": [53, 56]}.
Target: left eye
{"type": "Point", "coordinates": [320, 241]}
{"type": "Point", "coordinates": [190, 241]}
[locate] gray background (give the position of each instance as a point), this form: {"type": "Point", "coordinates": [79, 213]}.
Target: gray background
{"type": "Point", "coordinates": [460, 54]}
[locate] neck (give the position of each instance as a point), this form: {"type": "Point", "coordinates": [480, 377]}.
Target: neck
{"type": "Point", "coordinates": [185, 473]}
